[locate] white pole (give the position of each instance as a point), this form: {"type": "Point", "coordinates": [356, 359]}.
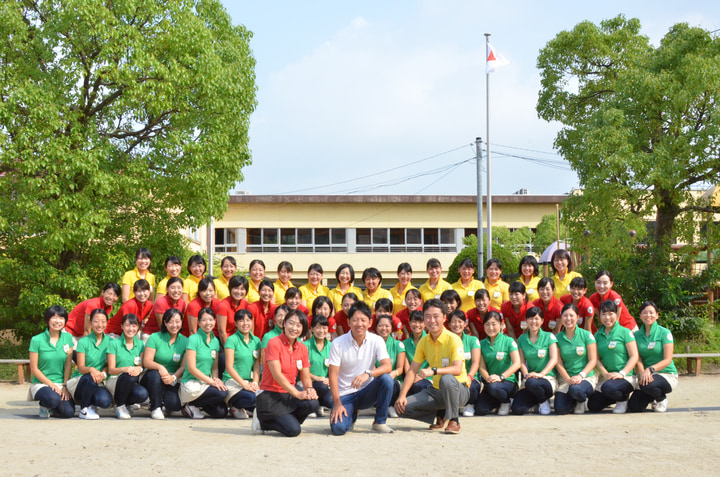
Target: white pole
{"type": "Point", "coordinates": [211, 245]}
{"type": "Point", "coordinates": [478, 159]}
{"type": "Point", "coordinates": [487, 142]}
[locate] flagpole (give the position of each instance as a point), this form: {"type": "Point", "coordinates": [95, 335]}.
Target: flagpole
{"type": "Point", "coordinates": [487, 143]}
{"type": "Point", "coordinates": [478, 163]}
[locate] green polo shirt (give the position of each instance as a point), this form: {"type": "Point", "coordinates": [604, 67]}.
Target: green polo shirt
{"type": "Point", "coordinates": [574, 352]}
{"type": "Point", "coordinates": [277, 331]}
{"type": "Point", "coordinates": [394, 348]}
{"type": "Point", "coordinates": [205, 354]}
{"type": "Point", "coordinates": [537, 354]}
{"type": "Point", "coordinates": [123, 355]}
{"type": "Point", "coordinates": [95, 355]}
{"type": "Point", "coordinates": [651, 347]}
{"type": "Point", "coordinates": [319, 360]}
{"type": "Point", "coordinates": [410, 348]}
{"type": "Point", "coordinates": [51, 357]}
{"type": "Point", "coordinates": [470, 343]}
{"type": "Point", "coordinates": [168, 355]}
{"type": "Point", "coordinates": [497, 355]}
{"type": "Point", "coordinates": [612, 349]}
{"type": "Point", "coordinates": [245, 355]}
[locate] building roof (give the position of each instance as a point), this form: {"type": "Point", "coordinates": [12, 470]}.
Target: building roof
{"type": "Point", "coordinates": [395, 199]}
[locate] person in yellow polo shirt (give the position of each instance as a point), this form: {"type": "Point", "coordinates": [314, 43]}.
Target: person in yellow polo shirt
{"type": "Point", "coordinates": [435, 285]}
{"type": "Point", "coordinates": [467, 285]}
{"type": "Point", "coordinates": [141, 270]}
{"type": "Point", "coordinates": [445, 355]}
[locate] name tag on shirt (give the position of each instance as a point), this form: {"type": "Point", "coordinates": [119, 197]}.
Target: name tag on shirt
{"type": "Point", "coordinates": [500, 355]}
{"type": "Point", "coordinates": [437, 297]}
{"type": "Point", "coordinates": [299, 364]}
{"type": "Point", "coordinates": [497, 294]}
{"type": "Point", "coordinates": [523, 325]}
{"type": "Point", "coordinates": [530, 291]}
{"type": "Point", "coordinates": [467, 356]}
{"type": "Point", "coordinates": [471, 293]}
{"type": "Point", "coordinates": [651, 345]}
{"type": "Point", "coordinates": [66, 348]}
{"type": "Point", "coordinates": [580, 350]}
{"type": "Point", "coordinates": [612, 344]}
{"type": "Point", "coordinates": [327, 361]}
{"type": "Point", "coordinates": [444, 362]}
{"type": "Point", "coordinates": [541, 353]}
{"type": "Point", "coordinates": [552, 323]}
{"type": "Point", "coordinates": [213, 354]}
{"type": "Point", "coordinates": [176, 358]}
{"type": "Point", "coordinates": [137, 360]}
{"type": "Point", "coordinates": [255, 353]}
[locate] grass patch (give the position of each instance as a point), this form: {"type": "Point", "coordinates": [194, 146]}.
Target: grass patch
{"type": "Point", "coordinates": [11, 349]}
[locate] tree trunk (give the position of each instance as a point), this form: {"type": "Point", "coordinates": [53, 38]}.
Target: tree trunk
{"type": "Point", "coordinates": [667, 211]}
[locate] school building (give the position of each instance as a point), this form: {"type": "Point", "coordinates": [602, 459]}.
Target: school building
{"type": "Point", "coordinates": [364, 231]}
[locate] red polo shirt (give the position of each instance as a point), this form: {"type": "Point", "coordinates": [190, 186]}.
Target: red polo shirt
{"type": "Point", "coordinates": [291, 362]}
{"type": "Point", "coordinates": [227, 308]}
{"type": "Point", "coordinates": [163, 304]}
{"type": "Point", "coordinates": [516, 320]}
{"type": "Point", "coordinates": [551, 313]}
{"type": "Point", "coordinates": [143, 312]}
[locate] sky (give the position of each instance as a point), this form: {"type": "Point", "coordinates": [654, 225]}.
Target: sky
{"type": "Point", "coordinates": [387, 97]}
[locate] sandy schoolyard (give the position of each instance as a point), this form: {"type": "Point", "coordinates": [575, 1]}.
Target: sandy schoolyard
{"type": "Point", "coordinates": [684, 441]}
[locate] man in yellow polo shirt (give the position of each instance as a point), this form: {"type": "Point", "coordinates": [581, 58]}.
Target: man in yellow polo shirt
{"type": "Point", "coordinates": [443, 350]}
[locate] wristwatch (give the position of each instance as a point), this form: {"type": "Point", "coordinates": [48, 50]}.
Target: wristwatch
{"type": "Point", "coordinates": [502, 377]}
{"type": "Point", "coordinates": [652, 369]}
{"type": "Point", "coordinates": [369, 373]}
{"type": "Point", "coordinates": [434, 370]}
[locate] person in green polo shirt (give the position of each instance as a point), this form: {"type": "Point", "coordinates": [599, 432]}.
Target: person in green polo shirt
{"type": "Point", "coordinates": [576, 360]}
{"type": "Point", "coordinates": [538, 357]}
{"type": "Point", "coordinates": [91, 358]}
{"type": "Point", "coordinates": [50, 362]}
{"type": "Point", "coordinates": [242, 367]}
{"type": "Point", "coordinates": [164, 360]}
{"type": "Point", "coordinates": [617, 357]}
{"type": "Point", "coordinates": [499, 360]}
{"type": "Point", "coordinates": [200, 386]}
{"type": "Point", "coordinates": [319, 355]}
{"type": "Point", "coordinates": [657, 375]}
{"type": "Point", "coordinates": [396, 351]}
{"type": "Point", "coordinates": [417, 332]}
{"type": "Point", "coordinates": [124, 357]}
{"type": "Point", "coordinates": [471, 347]}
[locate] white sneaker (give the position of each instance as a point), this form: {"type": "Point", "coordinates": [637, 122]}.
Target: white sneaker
{"type": "Point", "coordinates": [44, 413]}
{"type": "Point", "coordinates": [321, 411]}
{"type": "Point", "coordinates": [469, 410]}
{"type": "Point", "coordinates": [313, 415]}
{"type": "Point", "coordinates": [122, 412]}
{"type": "Point", "coordinates": [256, 428]}
{"type": "Point", "coordinates": [392, 412]}
{"type": "Point", "coordinates": [157, 413]}
{"type": "Point", "coordinates": [88, 413]}
{"type": "Point", "coordinates": [620, 407]}
{"type": "Point", "coordinates": [504, 409]}
{"type": "Point", "coordinates": [660, 406]}
{"type": "Point", "coordinates": [580, 407]}
{"type": "Point", "coordinates": [239, 413]}
{"type": "Point", "coordinates": [544, 408]}
{"type": "Point", "coordinates": [192, 412]}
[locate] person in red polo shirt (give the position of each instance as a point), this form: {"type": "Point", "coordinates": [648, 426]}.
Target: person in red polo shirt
{"type": "Point", "coordinates": [513, 311]}
{"type": "Point", "coordinates": [550, 306]}
{"type": "Point", "coordinates": [171, 299]}
{"type": "Point", "coordinates": [280, 406]}
{"type": "Point", "coordinates": [263, 310]}
{"type": "Point", "coordinates": [78, 322]}
{"type": "Point", "coordinates": [237, 289]}
{"type": "Point", "coordinates": [578, 289]}
{"type": "Point", "coordinates": [139, 305]}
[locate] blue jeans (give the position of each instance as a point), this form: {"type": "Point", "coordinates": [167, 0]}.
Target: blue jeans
{"type": "Point", "coordinates": [657, 390]}
{"type": "Point", "coordinates": [378, 393]}
{"type": "Point", "coordinates": [160, 393]}
{"type": "Point", "coordinates": [494, 394]}
{"type": "Point", "coordinates": [289, 424]}
{"type": "Point", "coordinates": [564, 402]}
{"type": "Point", "coordinates": [612, 391]}
{"type": "Point", "coordinates": [88, 393]}
{"type": "Point", "coordinates": [128, 391]}
{"type": "Point", "coordinates": [536, 390]}
{"type": "Point", "coordinates": [212, 401]}
{"type": "Point", "coordinates": [324, 394]}
{"type": "Point", "coordinates": [52, 400]}
{"type": "Point", "coordinates": [475, 388]}
{"type": "Point", "coordinates": [243, 400]}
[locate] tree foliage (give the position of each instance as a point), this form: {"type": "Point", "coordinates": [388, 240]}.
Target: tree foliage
{"type": "Point", "coordinates": [121, 123]}
{"type": "Point", "coordinates": [641, 128]}
{"type": "Point", "coordinates": [508, 247]}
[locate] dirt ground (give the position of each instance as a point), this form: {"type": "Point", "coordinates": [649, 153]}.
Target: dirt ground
{"type": "Point", "coordinates": [685, 440]}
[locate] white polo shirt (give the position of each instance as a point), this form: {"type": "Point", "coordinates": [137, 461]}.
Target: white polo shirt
{"type": "Point", "coordinates": [353, 359]}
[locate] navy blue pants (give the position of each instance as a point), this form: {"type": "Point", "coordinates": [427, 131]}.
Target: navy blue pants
{"type": "Point", "coordinates": [160, 393]}
{"type": "Point", "coordinates": [53, 401]}
{"type": "Point", "coordinates": [212, 401]}
{"type": "Point", "coordinates": [565, 402]}
{"type": "Point", "coordinates": [611, 391]}
{"type": "Point", "coordinates": [494, 394]}
{"type": "Point", "coordinates": [88, 393]}
{"type": "Point", "coordinates": [129, 391]}
{"type": "Point", "coordinates": [536, 390]}
{"type": "Point", "coordinates": [657, 390]}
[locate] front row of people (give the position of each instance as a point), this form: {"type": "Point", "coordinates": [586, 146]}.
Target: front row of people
{"type": "Point", "coordinates": [359, 370]}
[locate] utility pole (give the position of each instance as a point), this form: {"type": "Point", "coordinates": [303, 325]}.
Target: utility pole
{"type": "Point", "coordinates": [478, 159]}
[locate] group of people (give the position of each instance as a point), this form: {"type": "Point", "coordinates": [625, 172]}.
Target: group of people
{"type": "Point", "coordinates": [209, 347]}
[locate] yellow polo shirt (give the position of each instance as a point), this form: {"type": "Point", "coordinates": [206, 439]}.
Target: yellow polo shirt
{"type": "Point", "coordinates": [428, 293]}
{"type": "Point", "coordinates": [562, 287]}
{"type": "Point", "coordinates": [190, 286]}
{"type": "Point", "coordinates": [499, 293]}
{"type": "Point", "coordinates": [467, 293]}
{"type": "Point", "coordinates": [441, 353]}
{"type": "Point", "coordinates": [399, 298]}
{"type": "Point", "coordinates": [336, 296]}
{"type": "Point", "coordinates": [221, 288]}
{"type": "Point", "coordinates": [309, 293]}
{"type": "Point", "coordinates": [133, 275]}
{"type": "Point", "coordinates": [280, 290]}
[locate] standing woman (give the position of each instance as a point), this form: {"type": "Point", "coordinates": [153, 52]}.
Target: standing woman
{"type": "Point", "coordinates": [538, 357]}
{"type": "Point", "coordinates": [404, 284]}
{"type": "Point", "coordinates": [242, 366]}
{"type": "Point", "coordinates": [499, 360]}
{"type": "Point", "coordinates": [617, 357]}
{"type": "Point", "coordinates": [396, 350]}
{"type": "Point", "coordinates": [173, 267]}
{"type": "Point", "coordinates": [577, 358]}
{"type": "Point", "coordinates": [124, 357]}
{"type": "Point", "coordinates": [196, 271]}
{"type": "Point", "coordinates": [494, 284]}
{"type": "Point", "coordinates": [257, 275]}
{"type": "Point", "coordinates": [562, 268]}
{"type": "Point", "coordinates": [314, 287]}
{"type": "Point", "coordinates": [205, 299]}
{"type": "Point", "coordinates": [467, 285]}
{"type": "Point", "coordinates": [164, 359]}
{"type": "Point", "coordinates": [78, 322]}
{"type": "Point", "coordinates": [237, 287]}
{"type": "Point", "coordinates": [373, 292]}
{"type": "Point", "coordinates": [280, 406]}
{"type": "Point", "coordinates": [345, 276]}
{"type": "Point", "coordinates": [201, 386]}
{"type": "Point", "coordinates": [141, 271]}
{"type": "Point", "coordinates": [657, 375]}
{"type": "Point", "coordinates": [529, 271]}
{"type": "Point", "coordinates": [171, 299]}
{"type": "Point", "coordinates": [91, 359]}
{"type": "Point", "coordinates": [603, 285]}
{"type": "Point", "coordinates": [140, 306]}
{"type": "Point", "coordinates": [50, 365]}
{"type": "Point", "coordinates": [228, 266]}
{"type": "Point", "coordinates": [263, 310]}
{"type": "Point", "coordinates": [283, 283]}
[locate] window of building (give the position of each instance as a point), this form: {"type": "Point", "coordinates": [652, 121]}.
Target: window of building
{"type": "Point", "coordinates": [406, 240]}
{"type": "Point", "coordinates": [303, 240]}
{"type": "Point", "coordinates": [226, 241]}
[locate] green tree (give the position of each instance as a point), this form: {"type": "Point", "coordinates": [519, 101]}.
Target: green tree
{"type": "Point", "coordinates": [121, 123]}
{"type": "Point", "coordinates": [640, 127]}
{"type": "Point", "coordinates": [546, 233]}
{"type": "Point", "coordinates": [508, 247]}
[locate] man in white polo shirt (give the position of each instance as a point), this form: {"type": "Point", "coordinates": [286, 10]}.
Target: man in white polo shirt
{"type": "Point", "coordinates": [355, 382]}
